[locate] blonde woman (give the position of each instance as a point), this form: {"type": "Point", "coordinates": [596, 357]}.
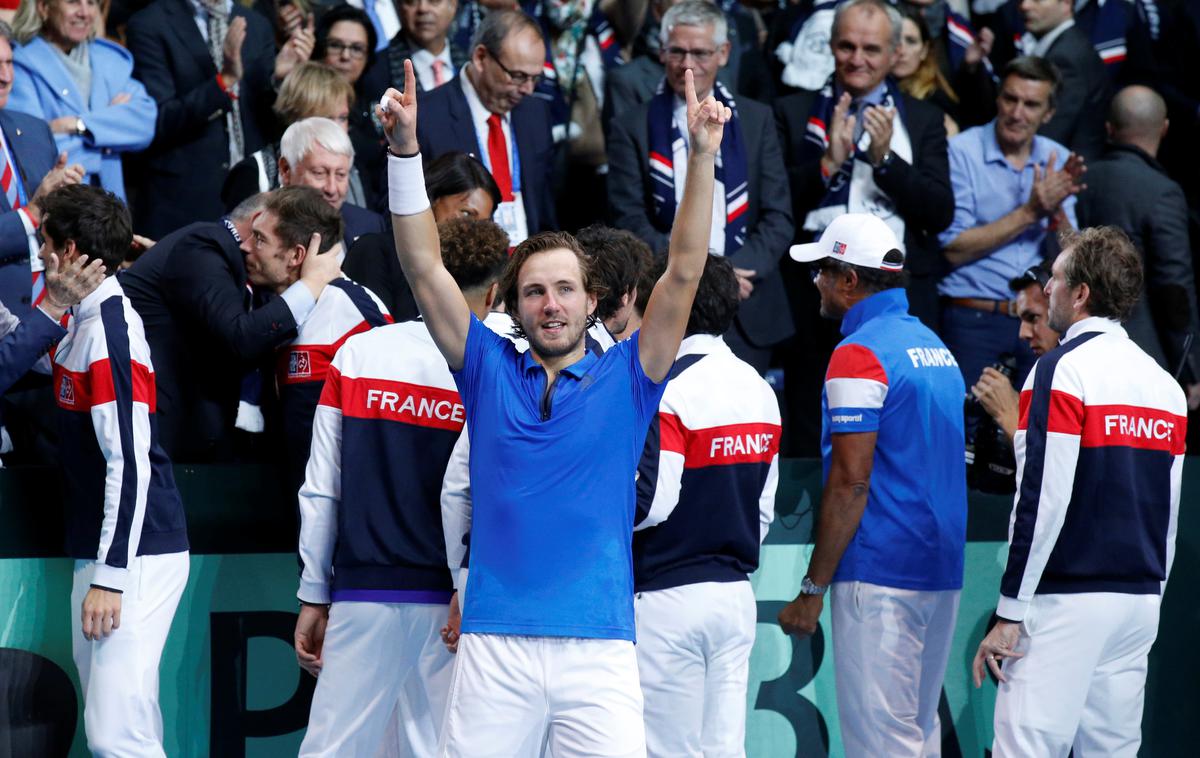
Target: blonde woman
{"type": "Point", "coordinates": [82, 85]}
{"type": "Point", "coordinates": [917, 69]}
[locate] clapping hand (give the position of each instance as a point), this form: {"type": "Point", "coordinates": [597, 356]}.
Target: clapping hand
{"type": "Point", "coordinates": [296, 50]}
{"type": "Point", "coordinates": [980, 48]}
{"type": "Point", "coordinates": [877, 122]}
{"type": "Point", "coordinates": [840, 133]}
{"type": "Point", "coordinates": [1052, 186]}
{"type": "Point", "coordinates": [397, 111]}
{"type": "Point", "coordinates": [706, 120]}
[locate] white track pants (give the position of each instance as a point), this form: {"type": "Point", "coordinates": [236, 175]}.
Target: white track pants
{"type": "Point", "coordinates": [119, 673]}
{"type": "Point", "coordinates": [1082, 681]}
{"type": "Point", "coordinates": [693, 652]}
{"type": "Point", "coordinates": [381, 662]}
{"type": "Point", "coordinates": [514, 697]}
{"type": "Point", "coordinates": [890, 648]}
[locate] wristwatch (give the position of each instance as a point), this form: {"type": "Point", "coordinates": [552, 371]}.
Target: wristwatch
{"type": "Point", "coordinates": [809, 587]}
{"type": "Point", "coordinates": [886, 162]}
{"type": "Point", "coordinates": [80, 128]}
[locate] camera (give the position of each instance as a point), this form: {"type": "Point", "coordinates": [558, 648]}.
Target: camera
{"type": "Point", "coordinates": [991, 462]}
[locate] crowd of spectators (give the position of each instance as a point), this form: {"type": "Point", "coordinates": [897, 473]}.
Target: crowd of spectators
{"type": "Point", "coordinates": [978, 131]}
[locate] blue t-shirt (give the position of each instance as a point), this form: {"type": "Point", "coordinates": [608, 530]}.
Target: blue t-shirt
{"type": "Point", "coordinates": [553, 488]}
{"type": "Point", "coordinates": [893, 376]}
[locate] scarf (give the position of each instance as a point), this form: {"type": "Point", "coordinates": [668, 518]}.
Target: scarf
{"type": "Point", "coordinates": [852, 188]}
{"type": "Point", "coordinates": [583, 45]}
{"type": "Point", "coordinates": [731, 168]}
{"type": "Point", "coordinates": [78, 66]}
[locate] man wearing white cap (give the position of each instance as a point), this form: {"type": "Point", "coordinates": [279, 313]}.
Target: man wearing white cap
{"type": "Point", "coordinates": [892, 523]}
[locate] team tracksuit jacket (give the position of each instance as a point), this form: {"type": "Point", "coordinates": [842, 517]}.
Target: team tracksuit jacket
{"type": "Point", "coordinates": [1099, 446]}
{"type": "Point", "coordinates": [710, 466]}
{"type": "Point", "coordinates": [121, 498]}
{"type": "Point", "coordinates": [345, 308]}
{"type": "Point", "coordinates": [371, 524]}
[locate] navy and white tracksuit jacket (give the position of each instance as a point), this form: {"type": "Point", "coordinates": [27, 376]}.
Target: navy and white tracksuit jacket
{"type": "Point", "coordinates": [371, 524]}
{"type": "Point", "coordinates": [121, 498]}
{"type": "Point", "coordinates": [344, 309]}
{"type": "Point", "coordinates": [1099, 447]}
{"type": "Point", "coordinates": [707, 480]}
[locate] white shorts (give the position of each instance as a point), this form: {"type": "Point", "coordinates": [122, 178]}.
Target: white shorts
{"type": "Point", "coordinates": [119, 673]}
{"type": "Point", "coordinates": [383, 683]}
{"type": "Point", "coordinates": [513, 697]}
{"type": "Point", "coordinates": [1082, 681]}
{"type": "Point", "coordinates": [890, 648]}
{"type": "Point", "coordinates": [693, 652]}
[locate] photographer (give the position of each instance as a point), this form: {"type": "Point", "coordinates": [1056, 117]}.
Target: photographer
{"type": "Point", "coordinates": [994, 390]}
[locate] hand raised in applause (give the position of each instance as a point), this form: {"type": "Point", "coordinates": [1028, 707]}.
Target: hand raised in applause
{"type": "Point", "coordinates": [840, 134]}
{"type": "Point", "coordinates": [877, 122]}
{"type": "Point", "coordinates": [231, 64]}
{"type": "Point", "coordinates": [1052, 186]}
{"type": "Point", "coordinates": [296, 50]}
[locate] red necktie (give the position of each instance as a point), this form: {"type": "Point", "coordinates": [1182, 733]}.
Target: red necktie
{"type": "Point", "coordinates": [439, 78]}
{"type": "Point", "coordinates": [498, 154]}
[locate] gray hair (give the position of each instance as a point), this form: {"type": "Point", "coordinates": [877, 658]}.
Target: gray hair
{"type": "Point", "coordinates": [497, 25]}
{"type": "Point", "coordinates": [6, 32]}
{"type": "Point", "coordinates": [893, 16]}
{"type": "Point", "coordinates": [248, 207]}
{"type": "Point", "coordinates": [694, 13]}
{"type": "Point", "coordinates": [300, 138]}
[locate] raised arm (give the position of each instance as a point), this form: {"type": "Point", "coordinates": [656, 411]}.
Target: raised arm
{"type": "Point", "coordinates": [671, 301]}
{"type": "Point", "coordinates": [438, 297]}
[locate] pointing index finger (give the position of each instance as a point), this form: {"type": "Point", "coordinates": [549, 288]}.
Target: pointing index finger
{"type": "Point", "coordinates": [410, 82]}
{"type": "Point", "coordinates": [689, 88]}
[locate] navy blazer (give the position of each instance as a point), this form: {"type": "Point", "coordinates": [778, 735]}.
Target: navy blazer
{"type": "Point", "coordinates": [359, 221]}
{"type": "Point", "coordinates": [22, 348]}
{"type": "Point", "coordinates": [190, 290]}
{"type": "Point", "coordinates": [185, 166]}
{"type": "Point", "coordinates": [445, 125]}
{"type": "Point", "coordinates": [32, 147]}
{"type": "Point", "coordinates": [764, 316]}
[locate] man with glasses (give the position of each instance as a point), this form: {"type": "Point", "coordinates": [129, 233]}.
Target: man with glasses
{"type": "Point", "coordinates": [751, 222]}
{"type": "Point", "coordinates": [486, 112]}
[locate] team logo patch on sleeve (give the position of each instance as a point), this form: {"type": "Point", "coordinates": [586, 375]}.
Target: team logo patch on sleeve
{"type": "Point", "coordinates": [299, 364]}
{"type": "Point", "coordinates": [66, 391]}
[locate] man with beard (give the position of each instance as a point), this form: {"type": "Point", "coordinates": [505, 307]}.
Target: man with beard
{"type": "Point", "coordinates": [1099, 463]}
{"type": "Point", "coordinates": [546, 655]}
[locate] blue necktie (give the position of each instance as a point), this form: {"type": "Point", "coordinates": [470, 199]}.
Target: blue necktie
{"type": "Point", "coordinates": [381, 39]}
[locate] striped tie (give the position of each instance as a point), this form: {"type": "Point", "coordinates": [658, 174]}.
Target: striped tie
{"type": "Point", "coordinates": [8, 183]}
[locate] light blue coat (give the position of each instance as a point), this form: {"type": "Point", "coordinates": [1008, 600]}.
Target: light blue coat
{"type": "Point", "coordinates": [42, 87]}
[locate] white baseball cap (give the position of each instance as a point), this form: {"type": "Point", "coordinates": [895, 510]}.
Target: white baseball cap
{"type": "Point", "coordinates": [858, 238]}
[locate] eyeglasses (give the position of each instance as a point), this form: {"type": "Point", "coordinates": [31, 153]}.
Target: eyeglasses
{"type": "Point", "coordinates": [519, 78]}
{"type": "Point", "coordinates": [355, 49]}
{"type": "Point", "coordinates": [679, 54]}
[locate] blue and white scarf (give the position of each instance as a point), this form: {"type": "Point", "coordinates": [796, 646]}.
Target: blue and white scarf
{"type": "Point", "coordinates": [851, 189]}
{"type": "Point", "coordinates": [731, 168]}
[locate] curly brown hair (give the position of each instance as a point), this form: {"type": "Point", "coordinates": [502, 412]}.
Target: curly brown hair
{"type": "Point", "coordinates": [544, 242]}
{"type": "Point", "coordinates": [1104, 259]}
{"type": "Point", "coordinates": [474, 251]}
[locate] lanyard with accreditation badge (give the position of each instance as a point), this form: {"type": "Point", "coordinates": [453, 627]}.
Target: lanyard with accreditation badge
{"type": "Point", "coordinates": [506, 213]}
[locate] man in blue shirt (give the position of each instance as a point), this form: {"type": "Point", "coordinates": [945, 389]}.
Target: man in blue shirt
{"type": "Point", "coordinates": [546, 656]}
{"type": "Point", "coordinates": [1012, 190]}
{"type": "Point", "coordinates": [892, 523]}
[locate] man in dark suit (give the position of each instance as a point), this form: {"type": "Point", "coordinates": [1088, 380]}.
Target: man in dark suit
{"type": "Point", "coordinates": [316, 152]}
{"type": "Point", "coordinates": [210, 114]}
{"type": "Point", "coordinates": [487, 113]}
{"type": "Point", "coordinates": [191, 291]}
{"type": "Point", "coordinates": [752, 222]}
{"type": "Point", "coordinates": [1051, 33]}
{"type": "Point", "coordinates": [860, 145]}
{"type": "Point", "coordinates": [32, 168]}
{"type": "Point", "coordinates": [423, 38]}
{"type": "Point", "coordinates": [1128, 188]}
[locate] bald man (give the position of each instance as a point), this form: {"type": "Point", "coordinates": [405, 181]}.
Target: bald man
{"type": "Point", "coordinates": [1128, 188]}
